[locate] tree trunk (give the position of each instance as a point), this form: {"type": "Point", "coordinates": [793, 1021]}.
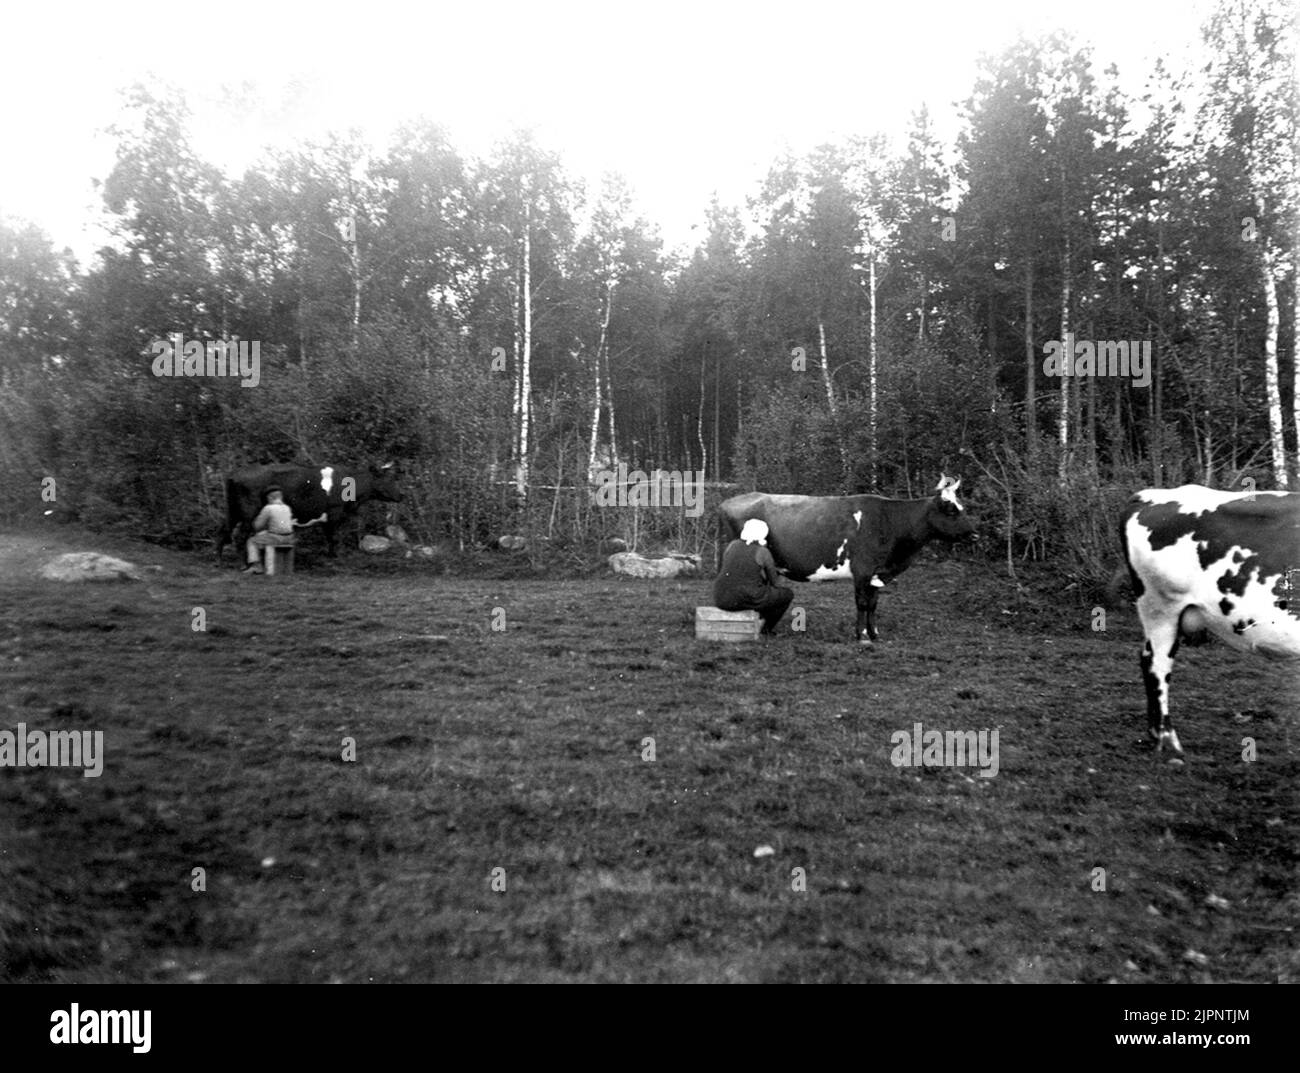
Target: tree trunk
{"type": "Point", "coordinates": [1158, 386]}
{"type": "Point", "coordinates": [1063, 425]}
{"type": "Point", "coordinates": [599, 400]}
{"type": "Point", "coordinates": [717, 411]}
{"type": "Point", "coordinates": [517, 342]}
{"type": "Point", "coordinates": [1090, 432]}
{"type": "Point", "coordinates": [699, 417]}
{"type": "Point", "coordinates": [1031, 374]}
{"type": "Point", "coordinates": [355, 258]}
{"type": "Point", "coordinates": [871, 373]}
{"type": "Point", "coordinates": [609, 387]}
{"type": "Point", "coordinates": [597, 403]}
{"type": "Point", "coordinates": [1295, 327]}
{"type": "Point", "coordinates": [525, 372]}
{"type": "Point", "coordinates": [826, 368]}
{"type": "Point", "coordinates": [1271, 385]}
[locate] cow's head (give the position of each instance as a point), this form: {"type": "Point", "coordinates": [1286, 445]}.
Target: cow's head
{"type": "Point", "coordinates": [383, 484]}
{"type": "Point", "coordinates": [946, 515]}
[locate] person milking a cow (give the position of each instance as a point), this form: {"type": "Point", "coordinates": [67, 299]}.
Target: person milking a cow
{"type": "Point", "coordinates": [748, 579]}
{"type": "Point", "coordinates": [274, 524]}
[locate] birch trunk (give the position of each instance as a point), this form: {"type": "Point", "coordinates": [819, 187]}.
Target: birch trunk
{"type": "Point", "coordinates": [609, 393]}
{"type": "Point", "coordinates": [1031, 376]}
{"type": "Point", "coordinates": [1295, 325]}
{"type": "Point", "coordinates": [826, 369]}
{"type": "Point", "coordinates": [1063, 425]}
{"type": "Point", "coordinates": [1271, 384]}
{"type": "Point", "coordinates": [525, 372]}
{"type": "Point", "coordinates": [872, 409]}
{"type": "Point", "coordinates": [699, 419]}
{"type": "Point", "coordinates": [599, 402]}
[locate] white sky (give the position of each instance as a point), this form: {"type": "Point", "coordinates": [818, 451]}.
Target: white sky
{"type": "Point", "coordinates": [682, 98]}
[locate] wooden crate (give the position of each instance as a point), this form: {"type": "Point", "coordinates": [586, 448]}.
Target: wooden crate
{"type": "Point", "coordinates": [278, 559]}
{"type": "Point", "coordinates": [712, 624]}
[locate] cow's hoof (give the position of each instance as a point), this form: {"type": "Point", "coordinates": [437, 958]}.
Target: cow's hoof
{"type": "Point", "coordinates": [867, 642]}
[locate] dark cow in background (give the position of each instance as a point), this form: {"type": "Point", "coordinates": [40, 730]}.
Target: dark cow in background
{"type": "Point", "coordinates": [868, 538]}
{"type": "Point", "coordinates": [1203, 561]}
{"type": "Point", "coordinates": [333, 491]}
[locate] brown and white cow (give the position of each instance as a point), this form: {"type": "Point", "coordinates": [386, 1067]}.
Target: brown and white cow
{"type": "Point", "coordinates": [868, 538]}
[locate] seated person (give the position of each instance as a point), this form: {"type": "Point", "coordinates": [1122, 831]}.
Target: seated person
{"type": "Point", "coordinates": [748, 580]}
{"type": "Point", "coordinates": [274, 524]}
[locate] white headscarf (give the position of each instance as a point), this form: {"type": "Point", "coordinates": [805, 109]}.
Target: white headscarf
{"type": "Point", "coordinates": [754, 532]}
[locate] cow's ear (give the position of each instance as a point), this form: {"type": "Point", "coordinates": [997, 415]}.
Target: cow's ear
{"type": "Point", "coordinates": [956, 484]}
{"type": "Point", "coordinates": [943, 482]}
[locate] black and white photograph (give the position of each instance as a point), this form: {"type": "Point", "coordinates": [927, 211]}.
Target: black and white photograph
{"type": "Point", "coordinates": [675, 493]}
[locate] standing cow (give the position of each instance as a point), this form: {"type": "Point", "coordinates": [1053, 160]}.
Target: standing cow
{"type": "Point", "coordinates": [333, 491]}
{"type": "Point", "coordinates": [868, 538]}
{"type": "Point", "coordinates": [1206, 561]}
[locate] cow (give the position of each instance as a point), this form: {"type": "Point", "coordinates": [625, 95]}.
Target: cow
{"type": "Point", "coordinates": [333, 491]}
{"type": "Point", "coordinates": [866, 537]}
{"type": "Point", "coordinates": [1204, 562]}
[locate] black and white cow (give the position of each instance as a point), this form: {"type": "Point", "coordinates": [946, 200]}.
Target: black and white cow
{"type": "Point", "coordinates": [334, 492]}
{"type": "Point", "coordinates": [868, 538]}
{"type": "Point", "coordinates": [1218, 562]}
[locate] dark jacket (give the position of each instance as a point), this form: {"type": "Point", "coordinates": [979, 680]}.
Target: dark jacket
{"type": "Point", "coordinates": [747, 577]}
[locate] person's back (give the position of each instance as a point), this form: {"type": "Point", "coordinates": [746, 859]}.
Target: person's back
{"type": "Point", "coordinates": [743, 581]}
{"type": "Point", "coordinates": [748, 579]}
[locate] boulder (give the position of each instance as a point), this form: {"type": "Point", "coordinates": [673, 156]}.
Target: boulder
{"type": "Point", "coordinates": [512, 543]}
{"type": "Point", "coordinates": [668, 566]}
{"type": "Point", "coordinates": [89, 566]}
{"type": "Point", "coordinates": [375, 545]}
{"type": "Point", "coordinates": [397, 535]}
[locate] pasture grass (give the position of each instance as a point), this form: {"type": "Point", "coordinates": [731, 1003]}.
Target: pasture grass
{"type": "Point", "coordinates": [521, 749]}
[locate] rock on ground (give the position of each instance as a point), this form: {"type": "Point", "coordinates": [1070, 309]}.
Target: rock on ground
{"type": "Point", "coordinates": [673, 565]}
{"type": "Point", "coordinates": [375, 544]}
{"type": "Point", "coordinates": [89, 566]}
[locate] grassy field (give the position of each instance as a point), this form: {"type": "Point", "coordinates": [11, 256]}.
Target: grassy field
{"type": "Point", "coordinates": [521, 749]}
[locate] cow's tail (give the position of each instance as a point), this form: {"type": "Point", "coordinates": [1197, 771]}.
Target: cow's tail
{"type": "Point", "coordinates": [724, 535]}
{"type": "Point", "coordinates": [232, 517]}
{"type": "Point", "coordinates": [1119, 590]}
{"type": "Point", "coordinates": [1124, 586]}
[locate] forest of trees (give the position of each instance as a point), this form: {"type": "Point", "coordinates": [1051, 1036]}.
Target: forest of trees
{"type": "Point", "coordinates": [873, 316]}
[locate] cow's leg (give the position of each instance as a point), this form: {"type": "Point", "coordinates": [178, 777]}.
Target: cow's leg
{"type": "Point", "coordinates": [1157, 668]}
{"type": "Point", "coordinates": [231, 533]}
{"type": "Point", "coordinates": [866, 595]}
